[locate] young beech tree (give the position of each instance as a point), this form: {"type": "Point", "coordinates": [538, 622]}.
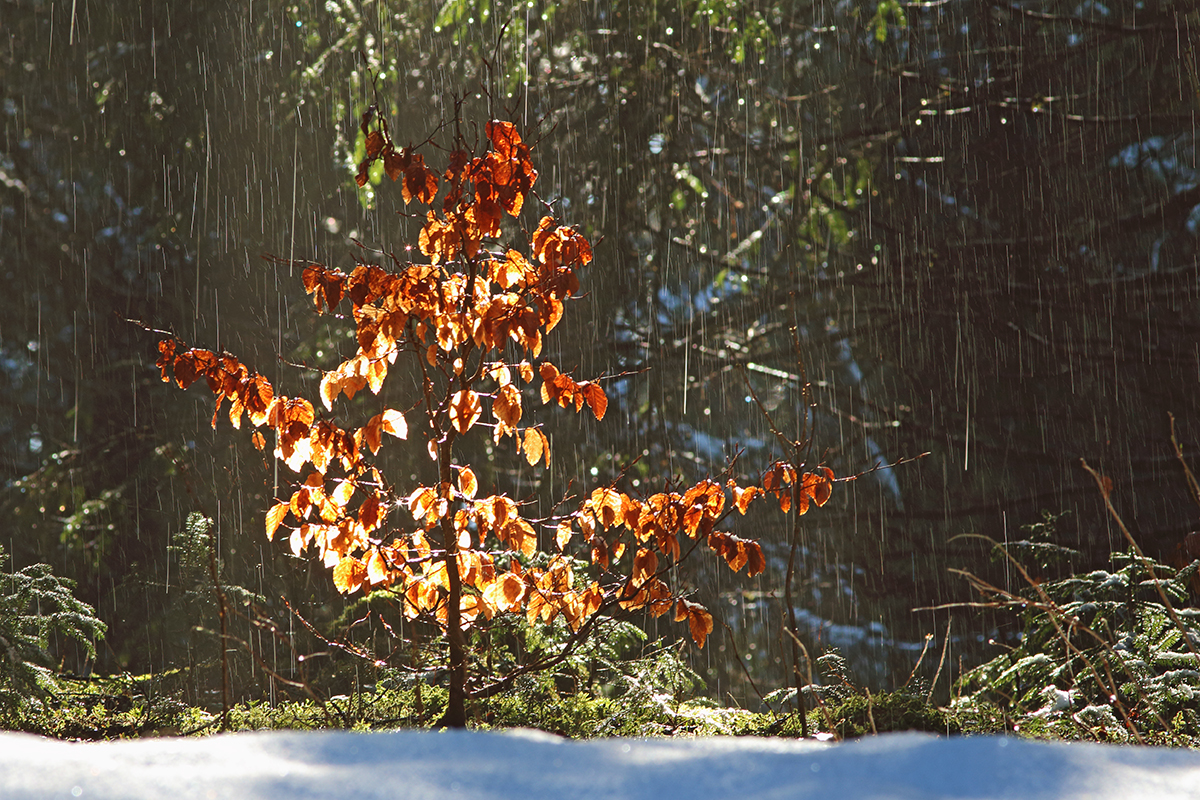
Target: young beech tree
{"type": "Point", "coordinates": [473, 316]}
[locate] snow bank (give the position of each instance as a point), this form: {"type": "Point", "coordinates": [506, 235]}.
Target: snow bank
{"type": "Point", "coordinates": [524, 765]}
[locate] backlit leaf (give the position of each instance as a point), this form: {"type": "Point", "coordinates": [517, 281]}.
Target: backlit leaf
{"type": "Point", "coordinates": [349, 574]}
{"type": "Point", "coordinates": [562, 535]}
{"type": "Point", "coordinates": [342, 493]}
{"type": "Point", "coordinates": [700, 622]}
{"type": "Point", "coordinates": [743, 497]}
{"type": "Point", "coordinates": [394, 423]}
{"type": "Point", "coordinates": [645, 563]}
{"type": "Point", "coordinates": [275, 517]}
{"type": "Point", "coordinates": [467, 483]}
{"type": "Point", "coordinates": [377, 569]}
{"type": "Point", "coordinates": [533, 445]}
{"type": "Point", "coordinates": [596, 399]}
{"type": "Point", "coordinates": [464, 410]}
{"type": "Point", "coordinates": [507, 405]}
{"type": "Point", "coordinates": [505, 593]}
{"type": "Point", "coordinates": [520, 536]}
{"type": "Point", "coordinates": [421, 502]}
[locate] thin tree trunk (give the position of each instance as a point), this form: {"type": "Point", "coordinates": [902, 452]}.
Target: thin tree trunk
{"type": "Point", "coordinates": [456, 709]}
{"type": "Point", "coordinates": [801, 706]}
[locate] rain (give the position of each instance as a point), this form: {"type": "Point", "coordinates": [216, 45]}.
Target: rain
{"type": "Point", "coordinates": [950, 247]}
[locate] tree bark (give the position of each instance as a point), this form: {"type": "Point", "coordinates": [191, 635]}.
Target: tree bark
{"type": "Point", "coordinates": [456, 709]}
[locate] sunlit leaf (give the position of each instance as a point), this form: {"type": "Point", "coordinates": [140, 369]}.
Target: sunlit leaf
{"type": "Point", "coordinates": [275, 517]}
{"type": "Point", "coordinates": [342, 493]}
{"type": "Point", "coordinates": [700, 622]}
{"type": "Point", "coordinates": [377, 569]}
{"type": "Point", "coordinates": [507, 405]}
{"type": "Point", "coordinates": [467, 483]}
{"type": "Point", "coordinates": [464, 410]}
{"type": "Point", "coordinates": [645, 563]}
{"type": "Point", "coordinates": [370, 512]}
{"type": "Point", "coordinates": [505, 593]}
{"type": "Point", "coordinates": [533, 445]}
{"type": "Point", "coordinates": [421, 502]}
{"type": "Point", "coordinates": [395, 424]}
{"type": "Point", "coordinates": [596, 399]}
{"type": "Point", "coordinates": [349, 574]}
{"type": "Point", "coordinates": [743, 497]}
{"type": "Point", "coordinates": [562, 535]}
{"type": "Point", "coordinates": [520, 536]}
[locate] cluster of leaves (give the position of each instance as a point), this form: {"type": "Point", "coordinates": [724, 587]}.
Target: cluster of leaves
{"type": "Point", "coordinates": [36, 605]}
{"type": "Point", "coordinates": [472, 319]}
{"type": "Point", "coordinates": [1100, 655]}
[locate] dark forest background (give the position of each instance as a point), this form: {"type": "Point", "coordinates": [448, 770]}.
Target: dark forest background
{"type": "Point", "coordinates": [981, 217]}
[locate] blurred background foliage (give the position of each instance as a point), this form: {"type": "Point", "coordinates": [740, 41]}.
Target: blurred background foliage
{"type": "Point", "coordinates": [980, 218]}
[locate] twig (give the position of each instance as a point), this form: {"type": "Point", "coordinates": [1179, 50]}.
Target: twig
{"type": "Point", "coordinates": [817, 695]}
{"type": "Point", "coordinates": [941, 661]}
{"type": "Point", "coordinates": [221, 607]}
{"type": "Point", "coordinates": [920, 658]}
{"type": "Point", "coordinates": [742, 664]}
{"type": "Point", "coordinates": [1105, 492]}
{"type": "Point", "coordinates": [1193, 486]}
{"type": "Point", "coordinates": [1054, 614]}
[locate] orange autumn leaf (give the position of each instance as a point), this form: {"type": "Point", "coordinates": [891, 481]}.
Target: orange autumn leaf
{"type": "Point", "coordinates": [275, 517]}
{"type": "Point", "coordinates": [645, 563]}
{"type": "Point", "coordinates": [467, 483]}
{"type": "Point", "coordinates": [374, 144]}
{"type": "Point", "coordinates": [421, 502]}
{"type": "Point", "coordinates": [824, 489]}
{"type": "Point", "coordinates": [507, 405]}
{"type": "Point", "coordinates": [600, 553]}
{"type": "Point", "coordinates": [562, 535]}
{"type": "Point", "coordinates": [596, 399]}
{"type": "Point", "coordinates": [377, 569]}
{"type": "Point", "coordinates": [349, 574]}
{"type": "Point", "coordinates": [393, 423]}
{"type": "Point", "coordinates": [699, 621]}
{"type": "Point", "coordinates": [420, 182]}
{"type": "Point", "coordinates": [371, 513]}
{"type": "Point", "coordinates": [520, 536]}
{"type": "Point", "coordinates": [394, 163]}
{"type": "Point", "coordinates": [743, 497]}
{"type": "Point", "coordinates": [757, 563]}
{"type": "Point", "coordinates": [535, 445]}
{"type": "Point", "coordinates": [465, 409]}
{"type": "Point", "coordinates": [505, 593]}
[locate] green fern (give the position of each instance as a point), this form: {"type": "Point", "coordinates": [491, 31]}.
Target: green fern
{"type": "Point", "coordinates": [1121, 636]}
{"type": "Point", "coordinates": [36, 605]}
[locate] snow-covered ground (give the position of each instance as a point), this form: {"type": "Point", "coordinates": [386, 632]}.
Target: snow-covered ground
{"type": "Point", "coordinates": [524, 765]}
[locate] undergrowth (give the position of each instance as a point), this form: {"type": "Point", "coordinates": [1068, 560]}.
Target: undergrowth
{"type": "Point", "coordinates": [1108, 655]}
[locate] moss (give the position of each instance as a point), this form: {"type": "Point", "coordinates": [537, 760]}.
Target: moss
{"type": "Point", "coordinates": [860, 714]}
{"type": "Point", "coordinates": [103, 708]}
